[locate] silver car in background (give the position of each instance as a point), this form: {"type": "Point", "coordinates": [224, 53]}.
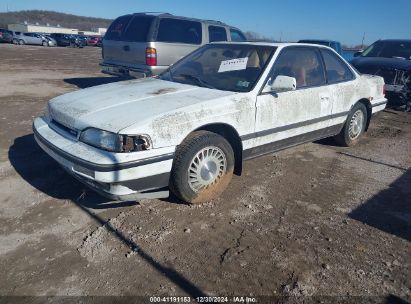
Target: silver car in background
{"type": "Point", "coordinates": [50, 40]}
{"type": "Point", "coordinates": [146, 44]}
{"type": "Point", "coordinates": [30, 38]}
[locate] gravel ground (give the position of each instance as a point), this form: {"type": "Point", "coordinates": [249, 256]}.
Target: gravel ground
{"type": "Point", "coordinates": [314, 220]}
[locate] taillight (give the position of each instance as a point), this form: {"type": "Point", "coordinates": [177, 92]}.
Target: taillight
{"type": "Point", "coordinates": [151, 56]}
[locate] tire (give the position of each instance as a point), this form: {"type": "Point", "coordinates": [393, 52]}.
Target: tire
{"type": "Point", "coordinates": [45, 43]}
{"type": "Point", "coordinates": [21, 42]}
{"type": "Point", "coordinates": [354, 127]}
{"type": "Point", "coordinates": [203, 167]}
{"type": "Point", "coordinates": [15, 41]}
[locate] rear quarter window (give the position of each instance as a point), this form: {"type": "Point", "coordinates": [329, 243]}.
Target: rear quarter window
{"type": "Point", "coordinates": [337, 70]}
{"type": "Point", "coordinates": [179, 31]}
{"type": "Point", "coordinates": [117, 28]}
{"type": "Point", "coordinates": [217, 33]}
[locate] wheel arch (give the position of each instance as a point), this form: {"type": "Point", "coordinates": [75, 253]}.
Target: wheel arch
{"type": "Point", "coordinates": [366, 102]}
{"type": "Point", "coordinates": [231, 135]}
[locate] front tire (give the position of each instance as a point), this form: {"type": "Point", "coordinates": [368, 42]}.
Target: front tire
{"type": "Point", "coordinates": [203, 167]}
{"type": "Point", "coordinates": [45, 43]}
{"type": "Point", "coordinates": [354, 127]}
{"type": "Point", "coordinates": [21, 42]}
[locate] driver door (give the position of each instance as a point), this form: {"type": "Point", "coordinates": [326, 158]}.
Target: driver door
{"type": "Point", "coordinates": [288, 118]}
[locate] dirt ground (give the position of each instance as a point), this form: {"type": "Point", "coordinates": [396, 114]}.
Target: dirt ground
{"type": "Point", "coordinates": [314, 220]}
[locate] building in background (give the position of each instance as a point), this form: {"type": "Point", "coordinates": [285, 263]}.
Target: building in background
{"type": "Point", "coordinates": [37, 28]}
{"type": "Point", "coordinates": [100, 31]}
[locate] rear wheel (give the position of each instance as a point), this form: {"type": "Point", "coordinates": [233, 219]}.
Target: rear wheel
{"type": "Point", "coordinates": [21, 42]}
{"type": "Point", "coordinates": [354, 126]}
{"type": "Point", "coordinates": [202, 168]}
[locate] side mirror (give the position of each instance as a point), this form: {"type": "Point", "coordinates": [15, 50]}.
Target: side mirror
{"type": "Point", "coordinates": [281, 84]}
{"type": "Point", "coordinates": [356, 54]}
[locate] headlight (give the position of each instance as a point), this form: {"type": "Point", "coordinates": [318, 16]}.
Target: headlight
{"type": "Point", "coordinates": [115, 142]}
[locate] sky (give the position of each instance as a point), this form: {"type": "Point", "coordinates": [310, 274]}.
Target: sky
{"type": "Point", "coordinates": [344, 20]}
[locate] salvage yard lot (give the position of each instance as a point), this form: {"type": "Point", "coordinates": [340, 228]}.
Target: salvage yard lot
{"type": "Point", "coordinates": [317, 219]}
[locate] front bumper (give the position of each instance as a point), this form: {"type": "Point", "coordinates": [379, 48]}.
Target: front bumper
{"type": "Point", "coordinates": [118, 176]}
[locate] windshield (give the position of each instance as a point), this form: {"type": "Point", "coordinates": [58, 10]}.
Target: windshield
{"type": "Point", "coordinates": [389, 49]}
{"type": "Point", "coordinates": [228, 67]}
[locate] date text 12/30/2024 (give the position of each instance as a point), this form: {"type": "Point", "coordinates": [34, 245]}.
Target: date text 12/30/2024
{"type": "Point", "coordinates": [205, 299]}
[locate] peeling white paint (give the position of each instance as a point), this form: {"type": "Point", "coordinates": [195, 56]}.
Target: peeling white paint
{"type": "Point", "coordinates": [169, 111]}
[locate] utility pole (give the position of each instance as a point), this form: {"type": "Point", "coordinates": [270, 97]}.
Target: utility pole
{"type": "Point", "coordinates": [362, 42]}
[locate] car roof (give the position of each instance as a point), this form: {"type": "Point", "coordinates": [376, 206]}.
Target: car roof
{"type": "Point", "coordinates": [318, 40]}
{"type": "Point", "coordinates": [396, 40]}
{"type": "Point", "coordinates": [273, 44]}
{"type": "Point", "coordinates": [161, 15]}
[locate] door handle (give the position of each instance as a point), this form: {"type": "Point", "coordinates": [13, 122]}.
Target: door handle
{"type": "Point", "coordinates": [126, 48]}
{"type": "Point", "coordinates": [325, 97]}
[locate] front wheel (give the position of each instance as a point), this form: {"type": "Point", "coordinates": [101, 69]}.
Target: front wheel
{"type": "Point", "coordinates": [21, 42]}
{"type": "Point", "coordinates": [354, 126]}
{"type": "Point", "coordinates": [202, 168]}
{"type": "Point", "coordinates": [45, 43]}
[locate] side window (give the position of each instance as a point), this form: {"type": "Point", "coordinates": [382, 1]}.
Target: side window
{"type": "Point", "coordinates": [217, 33]}
{"type": "Point", "coordinates": [337, 70]}
{"type": "Point", "coordinates": [304, 64]}
{"type": "Point", "coordinates": [179, 31]}
{"type": "Point", "coordinates": [237, 35]}
{"type": "Point", "coordinates": [117, 28]}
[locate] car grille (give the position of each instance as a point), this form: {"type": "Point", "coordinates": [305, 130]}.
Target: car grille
{"type": "Point", "coordinates": [65, 131]}
{"type": "Point", "coordinates": [389, 75]}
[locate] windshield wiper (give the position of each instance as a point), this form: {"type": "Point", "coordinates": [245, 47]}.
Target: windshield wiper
{"type": "Point", "coordinates": [198, 80]}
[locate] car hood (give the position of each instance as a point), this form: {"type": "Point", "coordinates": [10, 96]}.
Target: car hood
{"type": "Point", "coordinates": [371, 65]}
{"type": "Point", "coordinates": [115, 106]}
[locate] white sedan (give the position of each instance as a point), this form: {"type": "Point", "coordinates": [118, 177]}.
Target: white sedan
{"type": "Point", "coordinates": [190, 129]}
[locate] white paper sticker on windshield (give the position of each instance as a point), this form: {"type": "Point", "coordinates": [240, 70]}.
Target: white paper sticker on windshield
{"type": "Point", "coordinates": [233, 65]}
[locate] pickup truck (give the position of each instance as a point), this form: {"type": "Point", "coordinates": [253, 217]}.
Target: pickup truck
{"type": "Point", "coordinates": [335, 45]}
{"type": "Point", "coordinates": [190, 128]}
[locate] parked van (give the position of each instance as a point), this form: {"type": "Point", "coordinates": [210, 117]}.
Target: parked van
{"type": "Point", "coordinates": [146, 44]}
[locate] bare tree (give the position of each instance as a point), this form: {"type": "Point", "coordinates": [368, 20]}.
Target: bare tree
{"type": "Point", "coordinates": [253, 36]}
